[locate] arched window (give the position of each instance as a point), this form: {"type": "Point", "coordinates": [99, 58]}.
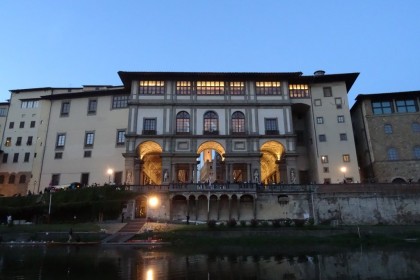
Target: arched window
{"type": "Point", "coordinates": [388, 128]}
{"type": "Point", "coordinates": [416, 152]}
{"type": "Point", "coordinates": [12, 179]}
{"type": "Point", "coordinates": [211, 123]}
{"type": "Point", "coordinates": [392, 154]}
{"type": "Point", "coordinates": [238, 122]}
{"type": "Point", "coordinates": [22, 179]}
{"type": "Point", "coordinates": [182, 122]}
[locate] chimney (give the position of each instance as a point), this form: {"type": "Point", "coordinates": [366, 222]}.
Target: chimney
{"type": "Point", "coordinates": [319, 73]}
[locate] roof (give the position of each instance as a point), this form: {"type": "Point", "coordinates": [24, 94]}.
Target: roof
{"type": "Point", "coordinates": [293, 77]}
{"type": "Point", "coordinates": [90, 93]}
{"type": "Point", "coordinates": [386, 95]}
{"type": "Point", "coordinates": [41, 88]}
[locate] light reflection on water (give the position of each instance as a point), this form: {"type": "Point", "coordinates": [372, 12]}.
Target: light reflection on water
{"type": "Point", "coordinates": [107, 262]}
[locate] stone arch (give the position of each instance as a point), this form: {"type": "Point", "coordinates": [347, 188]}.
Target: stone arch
{"type": "Point", "coordinates": [398, 180]}
{"type": "Point", "coordinates": [210, 165]}
{"type": "Point", "coordinates": [214, 145]}
{"type": "Point", "coordinates": [150, 154]}
{"type": "Point", "coordinates": [271, 154]}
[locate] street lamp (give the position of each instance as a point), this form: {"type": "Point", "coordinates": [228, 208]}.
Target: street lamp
{"type": "Point", "coordinates": [344, 169]}
{"type": "Point", "coordinates": [109, 171]}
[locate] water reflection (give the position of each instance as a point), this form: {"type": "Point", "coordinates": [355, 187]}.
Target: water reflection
{"type": "Point", "coordinates": [102, 262]}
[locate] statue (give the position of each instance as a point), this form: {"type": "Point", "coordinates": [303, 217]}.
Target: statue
{"type": "Point", "coordinates": [256, 176]}
{"type": "Point", "coordinates": [165, 176]}
{"type": "Point", "coordinates": [292, 176]}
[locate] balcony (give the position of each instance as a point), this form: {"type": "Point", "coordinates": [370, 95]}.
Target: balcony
{"type": "Point", "coordinates": [149, 132]}
{"type": "Point", "coordinates": [212, 132]}
{"type": "Point", "coordinates": [272, 132]}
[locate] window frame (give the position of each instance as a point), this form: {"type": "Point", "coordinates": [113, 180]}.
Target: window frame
{"type": "Point", "coordinates": [60, 141]}
{"type": "Point", "coordinates": [15, 158]}
{"type": "Point", "coordinates": [120, 101]}
{"type": "Point", "coordinates": [22, 124]}
{"type": "Point", "coordinates": [268, 88]}
{"type": "Point", "coordinates": [341, 119]}
{"type": "Point", "coordinates": [149, 126]}
{"type": "Point", "coordinates": [388, 129]}
{"type": "Point", "coordinates": [299, 91]}
{"type": "Point", "coordinates": [322, 138]}
{"type": "Point", "coordinates": [392, 154]}
{"type": "Point", "coordinates": [89, 139]}
{"type": "Point", "coordinates": [319, 120]}
{"type": "Point", "coordinates": [120, 137]}
{"type": "Point", "coordinates": [343, 136]}
{"type": "Point", "coordinates": [210, 87]}
{"type": "Point", "coordinates": [65, 109]}
{"type": "Point", "coordinates": [324, 159]}
{"type": "Point", "coordinates": [210, 121]}
{"type": "Point", "coordinates": [238, 122]}
{"type": "Point", "coordinates": [18, 141]}
{"type": "Point", "coordinates": [182, 122]}
{"type": "Point", "coordinates": [346, 157]}
{"type": "Point", "coordinates": [32, 124]}
{"type": "Point", "coordinates": [327, 91]}
{"type": "Point", "coordinates": [416, 152]}
{"type": "Point", "coordinates": [151, 87]}
{"type": "Point", "coordinates": [236, 88]}
{"type": "Point", "coordinates": [92, 106]}
{"type": "Point", "coordinates": [26, 157]}
{"type": "Point", "coordinates": [184, 87]}
{"type": "Point", "coordinates": [383, 107]}
{"type": "Point", "coordinates": [271, 126]}
{"type": "Point", "coordinates": [415, 127]}
{"type": "Point", "coordinates": [406, 106]}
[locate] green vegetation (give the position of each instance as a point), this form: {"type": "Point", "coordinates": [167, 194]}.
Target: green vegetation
{"type": "Point", "coordinates": [81, 205]}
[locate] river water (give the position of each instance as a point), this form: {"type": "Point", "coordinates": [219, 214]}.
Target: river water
{"type": "Point", "coordinates": [127, 262]}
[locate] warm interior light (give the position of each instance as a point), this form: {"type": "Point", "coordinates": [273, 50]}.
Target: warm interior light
{"type": "Point", "coordinates": [110, 171]}
{"type": "Point", "coordinates": [149, 274]}
{"type": "Point", "coordinates": [153, 201]}
{"type": "Point", "coordinates": [343, 169]}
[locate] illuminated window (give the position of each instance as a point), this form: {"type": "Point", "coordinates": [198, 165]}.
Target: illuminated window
{"type": "Point", "coordinates": [183, 88]}
{"type": "Point", "coordinates": [346, 158]}
{"type": "Point", "coordinates": [211, 123]}
{"type": "Point", "coordinates": [120, 101]}
{"type": "Point", "coordinates": [406, 106]}
{"type": "Point", "coordinates": [382, 107]}
{"type": "Point", "coordinates": [268, 88]}
{"type": "Point", "coordinates": [327, 91]}
{"type": "Point", "coordinates": [392, 154]}
{"type": "Point", "coordinates": [299, 91]}
{"type": "Point", "coordinates": [324, 159]}
{"type": "Point", "coordinates": [8, 142]}
{"type": "Point", "coordinates": [61, 141]}
{"type": "Point", "coordinates": [237, 88]}
{"type": "Point", "coordinates": [183, 122]}
{"type": "Point", "coordinates": [152, 87]}
{"type": "Point", "coordinates": [271, 127]}
{"type": "Point", "coordinates": [89, 139]}
{"type": "Point", "coordinates": [210, 88]}
{"type": "Point", "coordinates": [388, 128]}
{"type": "Point", "coordinates": [238, 122]}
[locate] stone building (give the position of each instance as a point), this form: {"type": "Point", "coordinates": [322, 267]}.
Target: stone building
{"type": "Point", "coordinates": [387, 133]}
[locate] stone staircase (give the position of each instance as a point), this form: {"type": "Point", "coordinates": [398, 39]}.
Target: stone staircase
{"type": "Point", "coordinates": [126, 232]}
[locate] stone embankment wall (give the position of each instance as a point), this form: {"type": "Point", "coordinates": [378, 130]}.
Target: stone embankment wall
{"type": "Point", "coordinates": [367, 204]}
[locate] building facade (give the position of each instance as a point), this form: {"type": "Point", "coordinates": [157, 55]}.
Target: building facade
{"type": "Point", "coordinates": [268, 128]}
{"type": "Point", "coordinates": [387, 133]}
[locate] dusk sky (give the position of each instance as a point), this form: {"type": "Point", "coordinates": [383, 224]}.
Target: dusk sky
{"type": "Point", "coordinates": [52, 43]}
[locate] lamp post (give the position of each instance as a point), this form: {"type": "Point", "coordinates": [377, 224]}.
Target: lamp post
{"type": "Point", "coordinates": [344, 169]}
{"type": "Point", "coordinates": [109, 171]}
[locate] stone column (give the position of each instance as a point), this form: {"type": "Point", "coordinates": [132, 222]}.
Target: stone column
{"type": "Point", "coordinates": [170, 209]}
{"type": "Point", "coordinates": [218, 208]}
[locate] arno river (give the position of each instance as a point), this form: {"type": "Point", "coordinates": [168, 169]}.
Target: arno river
{"type": "Point", "coordinates": [126, 262]}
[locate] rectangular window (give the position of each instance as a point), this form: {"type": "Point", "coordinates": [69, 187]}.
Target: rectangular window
{"type": "Point", "coordinates": [87, 154]}
{"type": "Point", "coordinates": [27, 104]}
{"type": "Point", "coordinates": [92, 105]}
{"type": "Point", "coordinates": [210, 88]}
{"type": "Point", "coordinates": [3, 112]}
{"type": "Point", "coordinates": [61, 141]}
{"type": "Point", "coordinates": [84, 179]}
{"type": "Point", "coordinates": [319, 120]}
{"type": "Point", "coordinates": [27, 155]}
{"type": "Point", "coordinates": [183, 88]}
{"type": "Point", "coordinates": [29, 141]}
{"type": "Point", "coordinates": [326, 169]}
{"type": "Point", "coordinates": [65, 109]}
{"type": "Point", "coordinates": [5, 156]}
{"type": "Point", "coordinates": [15, 157]}
{"type": "Point", "coordinates": [268, 88]}
{"type": "Point", "coordinates": [327, 91]}
{"type": "Point", "coordinates": [19, 141]}
{"type": "Point", "coordinates": [343, 136]}
{"type": "Point", "coordinates": [22, 125]}
{"type": "Point", "coordinates": [89, 139]}
{"type": "Point", "coordinates": [299, 91]}
{"type": "Point", "coordinates": [322, 138]}
{"type": "Point", "coordinates": [32, 124]}
{"type": "Point", "coordinates": [11, 125]}
{"type": "Point", "coordinates": [120, 101]}
{"type": "Point", "coordinates": [271, 127]}
{"type": "Point", "coordinates": [152, 87]}
{"type": "Point", "coordinates": [340, 119]}
{"type": "Point", "coordinates": [338, 102]}
{"type": "Point", "coordinates": [382, 107]}
{"type": "Point", "coordinates": [346, 158]}
{"type": "Point", "coordinates": [8, 142]}
{"type": "Point", "coordinates": [58, 155]}
{"type": "Point", "coordinates": [318, 102]}
{"type": "Point", "coordinates": [324, 159]}
{"type": "Point", "coordinates": [236, 88]}
{"type": "Point", "coordinates": [55, 179]}
{"type": "Point", "coordinates": [120, 136]}
{"type": "Point", "coordinates": [149, 126]}
{"type": "Point", "coordinates": [406, 106]}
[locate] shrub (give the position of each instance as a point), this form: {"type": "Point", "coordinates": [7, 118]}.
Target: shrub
{"type": "Point", "coordinates": [288, 222]}
{"type": "Point", "coordinates": [311, 221]}
{"type": "Point", "coordinates": [276, 223]}
{"type": "Point", "coordinates": [243, 223]}
{"type": "Point", "coordinates": [232, 222]}
{"type": "Point", "coordinates": [299, 222]}
{"type": "Point", "coordinates": [254, 223]}
{"type": "Point", "coordinates": [211, 223]}
{"type": "Point", "coordinates": [264, 223]}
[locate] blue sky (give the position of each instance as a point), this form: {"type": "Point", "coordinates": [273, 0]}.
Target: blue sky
{"type": "Point", "coordinates": [50, 43]}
